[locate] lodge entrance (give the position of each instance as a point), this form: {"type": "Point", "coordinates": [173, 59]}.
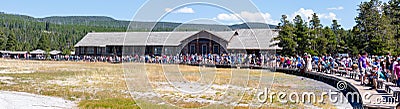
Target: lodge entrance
{"type": "Point", "coordinates": [253, 51]}
{"type": "Point", "coordinates": [203, 46]}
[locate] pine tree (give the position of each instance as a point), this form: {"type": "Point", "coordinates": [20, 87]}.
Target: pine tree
{"type": "Point", "coordinates": [44, 43]}
{"type": "Point", "coordinates": [331, 40]}
{"type": "Point", "coordinates": [3, 41]}
{"type": "Point", "coordinates": [285, 37]}
{"type": "Point", "coordinates": [383, 41]}
{"type": "Point", "coordinates": [315, 23]}
{"type": "Point", "coordinates": [11, 42]}
{"type": "Point", "coordinates": [368, 21]}
{"type": "Point", "coordinates": [392, 12]}
{"type": "Point", "coordinates": [315, 34]}
{"type": "Point", "coordinates": [322, 42]}
{"type": "Point", "coordinates": [301, 36]}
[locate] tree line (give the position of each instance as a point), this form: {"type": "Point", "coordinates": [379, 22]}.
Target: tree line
{"type": "Point", "coordinates": [24, 33]}
{"type": "Point", "coordinates": [377, 31]}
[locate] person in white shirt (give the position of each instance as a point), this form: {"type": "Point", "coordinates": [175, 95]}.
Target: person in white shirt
{"type": "Point", "coordinates": [309, 63]}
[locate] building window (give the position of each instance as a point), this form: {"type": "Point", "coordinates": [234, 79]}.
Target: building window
{"type": "Point", "coordinates": [90, 50]}
{"type": "Point", "coordinates": [166, 51]}
{"type": "Point", "coordinates": [118, 50]}
{"type": "Point", "coordinates": [157, 50]}
{"type": "Point", "coordinates": [109, 50]}
{"type": "Point", "coordinates": [216, 49]}
{"type": "Point", "coordinates": [204, 49]}
{"type": "Point", "coordinates": [99, 51]}
{"type": "Point", "coordinates": [192, 49]}
{"type": "Point", "coordinates": [82, 50]}
{"type": "Point", "coordinates": [136, 50]}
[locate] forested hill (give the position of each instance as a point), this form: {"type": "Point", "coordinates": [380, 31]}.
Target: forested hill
{"type": "Point", "coordinates": [26, 33]}
{"type": "Point", "coordinates": [101, 21]}
{"type": "Point", "coordinates": [108, 22]}
{"type": "Point", "coordinates": [104, 21]}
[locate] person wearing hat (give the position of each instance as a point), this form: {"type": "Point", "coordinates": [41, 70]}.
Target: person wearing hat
{"type": "Point", "coordinates": [396, 72]}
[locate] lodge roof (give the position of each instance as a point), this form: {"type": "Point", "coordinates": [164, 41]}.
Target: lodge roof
{"type": "Point", "coordinates": [38, 51]}
{"type": "Point", "coordinates": [239, 39]}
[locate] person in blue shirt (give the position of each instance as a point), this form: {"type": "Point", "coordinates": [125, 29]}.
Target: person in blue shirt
{"type": "Point", "coordinates": [377, 76]}
{"type": "Point", "coordinates": [299, 63]}
{"type": "Point", "coordinates": [316, 60]}
{"type": "Point", "coordinates": [376, 62]}
{"type": "Point", "coordinates": [330, 65]}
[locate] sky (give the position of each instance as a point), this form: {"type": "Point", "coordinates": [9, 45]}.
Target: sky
{"type": "Point", "coordinates": [270, 10]}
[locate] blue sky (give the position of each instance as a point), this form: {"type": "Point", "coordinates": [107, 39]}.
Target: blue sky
{"type": "Point", "coordinates": [342, 10]}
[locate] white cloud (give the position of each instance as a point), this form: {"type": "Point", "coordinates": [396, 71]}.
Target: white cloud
{"type": "Point", "coordinates": [248, 17]}
{"type": "Point", "coordinates": [180, 10]}
{"type": "Point", "coordinates": [304, 13]}
{"type": "Point", "coordinates": [228, 17]}
{"type": "Point", "coordinates": [307, 14]}
{"type": "Point", "coordinates": [330, 15]}
{"type": "Point", "coordinates": [335, 8]}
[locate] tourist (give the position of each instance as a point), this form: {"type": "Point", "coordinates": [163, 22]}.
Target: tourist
{"type": "Point", "coordinates": [396, 72]}
{"type": "Point", "coordinates": [308, 63]}
{"type": "Point", "coordinates": [387, 63]}
{"type": "Point", "coordinates": [320, 63]}
{"type": "Point", "coordinates": [331, 65]}
{"type": "Point", "coordinates": [394, 63]}
{"type": "Point", "coordinates": [377, 75]}
{"type": "Point", "coordinates": [299, 62]}
{"type": "Point", "coordinates": [363, 65]}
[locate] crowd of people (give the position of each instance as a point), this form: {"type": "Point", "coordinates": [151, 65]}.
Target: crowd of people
{"type": "Point", "coordinates": [229, 59]}
{"type": "Point", "coordinates": [370, 68]}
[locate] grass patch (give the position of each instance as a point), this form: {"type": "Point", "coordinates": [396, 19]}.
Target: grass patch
{"type": "Point", "coordinates": [115, 103]}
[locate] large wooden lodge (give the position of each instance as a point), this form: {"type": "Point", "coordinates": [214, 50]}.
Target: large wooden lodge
{"type": "Point", "coordinates": [171, 43]}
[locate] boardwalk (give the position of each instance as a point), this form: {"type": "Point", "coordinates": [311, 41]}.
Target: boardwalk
{"type": "Point", "coordinates": [371, 98]}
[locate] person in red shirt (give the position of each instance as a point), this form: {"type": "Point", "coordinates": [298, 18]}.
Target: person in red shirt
{"type": "Point", "coordinates": [396, 71]}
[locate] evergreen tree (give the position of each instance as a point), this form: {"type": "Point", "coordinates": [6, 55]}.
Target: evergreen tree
{"type": "Point", "coordinates": [3, 41]}
{"type": "Point", "coordinates": [315, 34]}
{"type": "Point", "coordinates": [301, 36]}
{"type": "Point", "coordinates": [44, 43]}
{"type": "Point", "coordinates": [331, 40]}
{"type": "Point", "coordinates": [368, 21]}
{"type": "Point", "coordinates": [382, 42]}
{"type": "Point", "coordinates": [315, 23]}
{"type": "Point", "coordinates": [11, 42]}
{"type": "Point", "coordinates": [377, 26]}
{"type": "Point", "coordinates": [285, 37]}
{"type": "Point", "coordinates": [377, 31]}
{"type": "Point", "coordinates": [392, 12]}
{"type": "Point", "coordinates": [27, 46]}
{"type": "Point", "coordinates": [340, 35]}
{"type": "Point", "coordinates": [322, 42]}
